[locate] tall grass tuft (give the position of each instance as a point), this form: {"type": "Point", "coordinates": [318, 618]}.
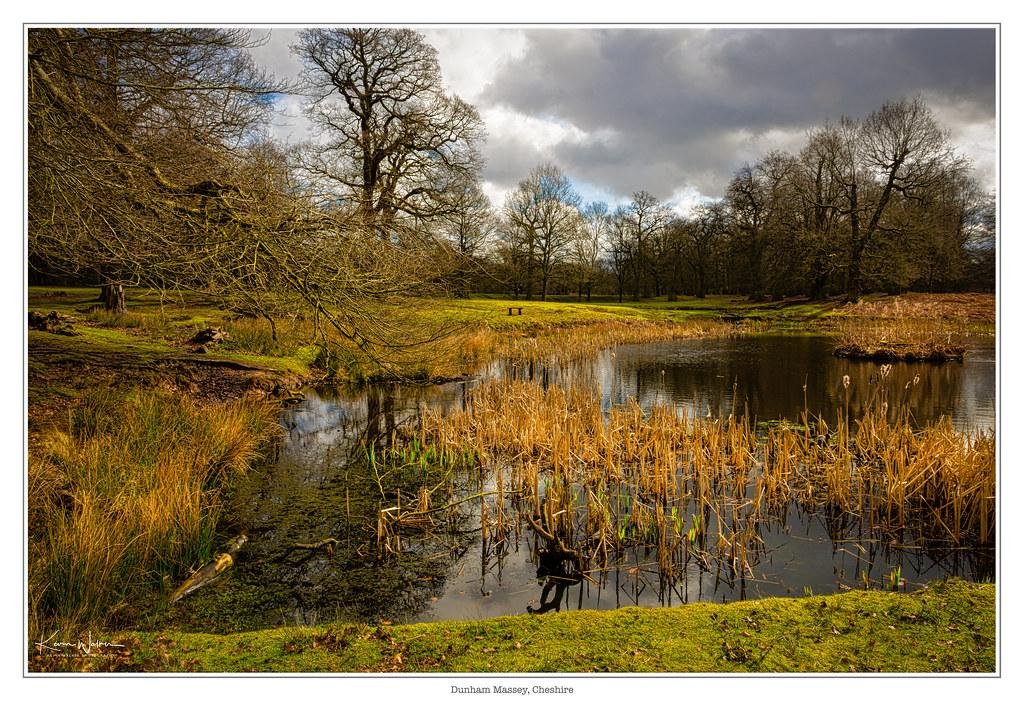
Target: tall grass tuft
{"type": "Point", "coordinates": [126, 493]}
{"type": "Point", "coordinates": [151, 323]}
{"type": "Point", "coordinates": [289, 335]}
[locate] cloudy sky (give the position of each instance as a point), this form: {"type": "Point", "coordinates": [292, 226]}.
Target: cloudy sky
{"type": "Point", "coordinates": [677, 111]}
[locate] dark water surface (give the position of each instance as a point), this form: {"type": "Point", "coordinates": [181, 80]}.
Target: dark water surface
{"type": "Point", "coordinates": [319, 487]}
{"type": "Point", "coordinates": [766, 375]}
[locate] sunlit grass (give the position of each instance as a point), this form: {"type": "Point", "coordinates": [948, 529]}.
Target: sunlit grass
{"type": "Point", "coordinates": [125, 493]}
{"type": "Point", "coordinates": [458, 335]}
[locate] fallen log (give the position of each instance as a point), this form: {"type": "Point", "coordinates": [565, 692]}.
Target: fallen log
{"type": "Point", "coordinates": [210, 571]}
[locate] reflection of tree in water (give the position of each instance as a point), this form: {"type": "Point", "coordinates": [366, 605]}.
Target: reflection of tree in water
{"type": "Point", "coordinates": [921, 555]}
{"type": "Point", "coordinates": [380, 416]}
{"type": "Point", "coordinates": [769, 374]}
{"type": "Point", "coordinates": [318, 487]}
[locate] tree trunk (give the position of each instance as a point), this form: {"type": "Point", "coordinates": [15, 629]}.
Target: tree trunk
{"type": "Point", "coordinates": [853, 279]}
{"type": "Point", "coordinates": [112, 296]}
{"type": "Point", "coordinates": [817, 288]}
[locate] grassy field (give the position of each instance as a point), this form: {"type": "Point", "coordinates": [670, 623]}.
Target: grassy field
{"type": "Point", "coordinates": [154, 335]}
{"type": "Point", "coordinates": [949, 628]}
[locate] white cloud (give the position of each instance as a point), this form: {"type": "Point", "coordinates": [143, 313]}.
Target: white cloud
{"type": "Point", "coordinates": [275, 53]}
{"type": "Point", "coordinates": [686, 198]}
{"type": "Point", "coordinates": [972, 133]}
{"type": "Point", "coordinates": [748, 146]}
{"type": "Point", "coordinates": [537, 133]}
{"type": "Point", "coordinates": [495, 193]}
{"type": "Point", "coordinates": [977, 141]}
{"type": "Point", "coordinates": [591, 192]}
{"type": "Point", "coordinates": [289, 125]}
{"type": "Point", "coordinates": [470, 58]}
{"type": "Point", "coordinates": [518, 142]}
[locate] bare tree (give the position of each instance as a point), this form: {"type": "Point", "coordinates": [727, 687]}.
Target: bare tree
{"type": "Point", "coordinates": [981, 244]}
{"type": "Point", "coordinates": [391, 142]}
{"type": "Point", "coordinates": [898, 151]}
{"type": "Point", "coordinates": [587, 245]}
{"type": "Point", "coordinates": [759, 202]}
{"type": "Point", "coordinates": [648, 218]}
{"type": "Point", "coordinates": [467, 229]}
{"type": "Point", "coordinates": [514, 255]}
{"type": "Point", "coordinates": [543, 214]}
{"type": "Point", "coordinates": [940, 224]}
{"type": "Point", "coordinates": [821, 195]}
{"type": "Point", "coordinates": [620, 249]}
{"type": "Point", "coordinates": [706, 226]}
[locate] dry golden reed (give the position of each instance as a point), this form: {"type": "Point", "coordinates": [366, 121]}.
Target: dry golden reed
{"type": "Point", "coordinates": [702, 489]}
{"type": "Point", "coordinates": [898, 330]}
{"type": "Point", "coordinates": [548, 343]}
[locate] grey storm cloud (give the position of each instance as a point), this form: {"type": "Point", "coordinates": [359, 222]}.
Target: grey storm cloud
{"type": "Point", "coordinates": [685, 107]}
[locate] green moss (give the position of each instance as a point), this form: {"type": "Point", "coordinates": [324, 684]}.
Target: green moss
{"type": "Point", "coordinates": [120, 347]}
{"type": "Point", "coordinates": [948, 628]}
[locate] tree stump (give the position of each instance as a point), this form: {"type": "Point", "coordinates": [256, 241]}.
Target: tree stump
{"type": "Point", "coordinates": [112, 296]}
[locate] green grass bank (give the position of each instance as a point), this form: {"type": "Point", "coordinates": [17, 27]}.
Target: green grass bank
{"type": "Point", "coordinates": [948, 628]}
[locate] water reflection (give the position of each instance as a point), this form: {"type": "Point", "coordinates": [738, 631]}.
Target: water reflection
{"type": "Point", "coordinates": [320, 487]}
{"type": "Point", "coordinates": [557, 570]}
{"type": "Point", "coordinates": [767, 377]}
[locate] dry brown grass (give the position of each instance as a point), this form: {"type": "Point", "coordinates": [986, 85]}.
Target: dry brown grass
{"type": "Point", "coordinates": [912, 327]}
{"type": "Point", "coordinates": [959, 308]}
{"type": "Point", "coordinates": [552, 344]}
{"type": "Point", "coordinates": [900, 338]}
{"type": "Point", "coordinates": [702, 489]}
{"type": "Point", "coordinates": [125, 493]}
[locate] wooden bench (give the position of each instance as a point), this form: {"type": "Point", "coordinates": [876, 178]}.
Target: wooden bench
{"type": "Point", "coordinates": [518, 309]}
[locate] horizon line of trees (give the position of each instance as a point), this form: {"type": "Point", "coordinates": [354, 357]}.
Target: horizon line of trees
{"type": "Point", "coordinates": [149, 164]}
{"type": "Point", "coordinates": [881, 204]}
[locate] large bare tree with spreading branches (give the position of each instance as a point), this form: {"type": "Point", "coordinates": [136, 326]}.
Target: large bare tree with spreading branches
{"type": "Point", "coordinates": [898, 152]}
{"type": "Point", "coordinates": [391, 144]}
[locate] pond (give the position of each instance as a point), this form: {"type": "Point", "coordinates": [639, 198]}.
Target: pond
{"type": "Point", "coordinates": [319, 487]}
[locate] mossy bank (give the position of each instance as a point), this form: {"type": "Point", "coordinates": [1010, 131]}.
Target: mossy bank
{"type": "Point", "coordinates": [948, 628]}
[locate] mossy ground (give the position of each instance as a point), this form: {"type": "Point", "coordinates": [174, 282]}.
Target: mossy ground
{"type": "Point", "coordinates": [947, 628]}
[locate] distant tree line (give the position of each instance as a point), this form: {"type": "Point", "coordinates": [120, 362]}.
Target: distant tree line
{"type": "Point", "coordinates": [149, 164]}
{"type": "Point", "coordinates": [883, 204]}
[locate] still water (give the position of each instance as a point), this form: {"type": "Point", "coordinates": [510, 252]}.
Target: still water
{"type": "Point", "coordinates": [319, 487]}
